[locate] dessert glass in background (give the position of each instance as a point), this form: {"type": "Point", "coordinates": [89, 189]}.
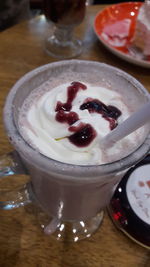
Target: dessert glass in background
{"type": "Point", "coordinates": [65, 15]}
{"type": "Point", "coordinates": [69, 199]}
{"type": "Point", "coordinates": [89, 2]}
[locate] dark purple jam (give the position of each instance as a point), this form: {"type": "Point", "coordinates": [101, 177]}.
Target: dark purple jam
{"type": "Point", "coordinates": [63, 110]}
{"type": "Point", "coordinates": [69, 118]}
{"type": "Point", "coordinates": [71, 94]}
{"type": "Point", "coordinates": [83, 136]}
{"type": "Point", "coordinates": [110, 113]}
{"type": "Point", "coordinates": [84, 133]}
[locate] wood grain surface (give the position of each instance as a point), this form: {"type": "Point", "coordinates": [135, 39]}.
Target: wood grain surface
{"type": "Point", "coordinates": [22, 242]}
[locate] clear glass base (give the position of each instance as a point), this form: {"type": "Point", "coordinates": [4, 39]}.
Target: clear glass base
{"type": "Point", "coordinates": [69, 231]}
{"type": "Point", "coordinates": [61, 43]}
{"type": "Point", "coordinates": [69, 49]}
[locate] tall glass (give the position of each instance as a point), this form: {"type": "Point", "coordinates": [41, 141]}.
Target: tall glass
{"type": "Point", "coordinates": [65, 16]}
{"type": "Point", "coordinates": [69, 199]}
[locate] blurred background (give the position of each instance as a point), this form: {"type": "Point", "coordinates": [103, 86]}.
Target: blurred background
{"type": "Point", "coordinates": [14, 11]}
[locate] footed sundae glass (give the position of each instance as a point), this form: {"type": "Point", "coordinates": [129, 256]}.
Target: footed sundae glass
{"type": "Point", "coordinates": [65, 15]}
{"type": "Point", "coordinates": [68, 199]}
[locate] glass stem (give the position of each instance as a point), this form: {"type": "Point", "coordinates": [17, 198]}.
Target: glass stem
{"type": "Point", "coordinates": [63, 34]}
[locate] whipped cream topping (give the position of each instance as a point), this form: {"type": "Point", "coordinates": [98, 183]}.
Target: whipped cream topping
{"type": "Point", "coordinates": [40, 128]}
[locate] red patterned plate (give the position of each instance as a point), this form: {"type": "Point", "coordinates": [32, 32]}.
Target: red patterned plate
{"type": "Point", "coordinates": [114, 27]}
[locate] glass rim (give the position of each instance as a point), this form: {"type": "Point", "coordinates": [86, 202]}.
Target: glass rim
{"type": "Point", "coordinates": [66, 168]}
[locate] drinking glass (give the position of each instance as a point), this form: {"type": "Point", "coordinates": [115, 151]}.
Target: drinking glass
{"type": "Point", "coordinates": [65, 15]}
{"type": "Point", "coordinates": [68, 199]}
{"type": "Point", "coordinates": [89, 2]}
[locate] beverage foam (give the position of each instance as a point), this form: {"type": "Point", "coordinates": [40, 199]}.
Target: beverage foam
{"type": "Point", "coordinates": [40, 128]}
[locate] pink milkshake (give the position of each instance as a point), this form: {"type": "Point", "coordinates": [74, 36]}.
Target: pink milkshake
{"type": "Point", "coordinates": [55, 117]}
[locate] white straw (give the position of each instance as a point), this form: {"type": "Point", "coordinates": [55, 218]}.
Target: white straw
{"type": "Point", "coordinates": [135, 121]}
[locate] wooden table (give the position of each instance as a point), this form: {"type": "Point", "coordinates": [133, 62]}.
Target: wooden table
{"type": "Point", "coordinates": [22, 242]}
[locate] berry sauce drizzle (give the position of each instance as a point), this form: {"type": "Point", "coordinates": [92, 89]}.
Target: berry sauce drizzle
{"type": "Point", "coordinates": [110, 113]}
{"type": "Point", "coordinates": [70, 117]}
{"type": "Point", "coordinates": [71, 94]}
{"type": "Point", "coordinates": [83, 136]}
{"type": "Point", "coordinates": [84, 133]}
